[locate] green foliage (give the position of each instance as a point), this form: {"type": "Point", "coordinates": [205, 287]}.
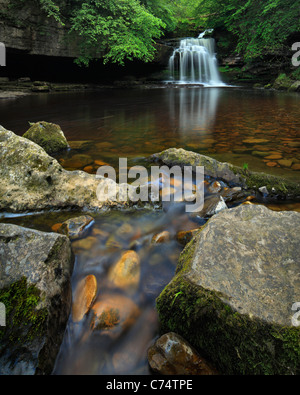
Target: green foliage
{"type": "Point", "coordinates": [118, 29]}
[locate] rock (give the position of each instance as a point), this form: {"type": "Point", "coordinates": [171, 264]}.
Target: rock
{"type": "Point", "coordinates": [274, 157]}
{"type": "Point", "coordinates": [115, 313]}
{"type": "Point", "coordinates": [185, 237]}
{"type": "Point", "coordinates": [263, 191]}
{"type": "Point", "coordinates": [84, 244]}
{"type": "Point", "coordinates": [296, 166]}
{"type": "Point", "coordinates": [77, 161]}
{"type": "Point", "coordinates": [261, 154]}
{"type": "Point", "coordinates": [239, 278]}
{"type": "Point", "coordinates": [76, 227]}
{"type": "Point", "coordinates": [31, 180]}
{"type": "Point", "coordinates": [285, 162]}
{"type": "Point", "coordinates": [215, 187]}
{"type": "Point", "coordinates": [162, 237]}
{"type": "Point", "coordinates": [212, 205]}
{"type": "Point", "coordinates": [40, 89]}
{"type": "Point", "coordinates": [283, 82]}
{"type": "Point", "coordinates": [172, 355]}
{"type": "Point", "coordinates": [35, 287]}
{"type": "Point", "coordinates": [295, 87]}
{"type": "Point", "coordinates": [228, 173]}
{"type": "Point", "coordinates": [253, 140]}
{"type": "Point", "coordinates": [126, 272]}
{"type": "Point", "coordinates": [47, 135]}
{"type": "Point", "coordinates": [84, 295]}
{"type": "Point", "coordinates": [271, 164]}
{"type": "Point", "coordinates": [232, 194]}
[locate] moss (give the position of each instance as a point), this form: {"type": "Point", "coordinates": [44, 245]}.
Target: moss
{"type": "Point", "coordinates": [234, 343]}
{"type": "Point", "coordinates": [24, 320]}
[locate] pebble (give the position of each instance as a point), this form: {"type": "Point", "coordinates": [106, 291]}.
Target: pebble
{"type": "Point", "coordinates": [126, 272]}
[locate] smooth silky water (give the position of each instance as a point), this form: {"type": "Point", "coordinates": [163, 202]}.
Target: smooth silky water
{"type": "Point", "coordinates": [236, 125]}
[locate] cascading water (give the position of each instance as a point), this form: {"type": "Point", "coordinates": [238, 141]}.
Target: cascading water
{"type": "Point", "coordinates": [195, 62]}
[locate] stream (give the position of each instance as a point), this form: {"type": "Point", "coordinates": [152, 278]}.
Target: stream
{"type": "Point", "coordinates": [256, 128]}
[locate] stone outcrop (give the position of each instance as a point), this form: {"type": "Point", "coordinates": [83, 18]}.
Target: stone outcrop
{"type": "Point", "coordinates": [32, 180]}
{"type": "Point", "coordinates": [234, 176]}
{"type": "Point", "coordinates": [234, 290]}
{"type": "Point", "coordinates": [35, 288]}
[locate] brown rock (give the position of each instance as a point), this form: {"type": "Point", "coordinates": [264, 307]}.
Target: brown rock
{"type": "Point", "coordinates": [285, 162]}
{"type": "Point", "coordinates": [296, 166]}
{"type": "Point", "coordinates": [271, 164]}
{"type": "Point", "coordinates": [185, 237]}
{"type": "Point", "coordinates": [163, 237]}
{"type": "Point", "coordinates": [75, 227]}
{"type": "Point", "coordinates": [85, 293]}
{"type": "Point", "coordinates": [274, 157]}
{"type": "Point", "coordinates": [172, 355]}
{"type": "Point", "coordinates": [126, 272]}
{"type": "Point", "coordinates": [215, 187]}
{"type": "Point", "coordinates": [115, 312]}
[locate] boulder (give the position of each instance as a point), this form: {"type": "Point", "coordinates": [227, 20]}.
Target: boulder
{"type": "Point", "coordinates": [31, 180]}
{"type": "Point", "coordinates": [234, 176]}
{"type": "Point", "coordinates": [234, 291]}
{"type": "Point", "coordinates": [172, 355]}
{"type": "Point", "coordinates": [47, 135]}
{"type": "Point", "coordinates": [35, 288]}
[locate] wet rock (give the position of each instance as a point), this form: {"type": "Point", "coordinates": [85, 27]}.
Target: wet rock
{"type": "Point", "coordinates": [76, 227]}
{"type": "Point", "coordinates": [285, 162]}
{"type": "Point", "coordinates": [172, 355]}
{"type": "Point", "coordinates": [47, 135]}
{"type": "Point", "coordinates": [244, 294]}
{"type": "Point", "coordinates": [232, 194]}
{"type": "Point", "coordinates": [115, 313]}
{"type": "Point", "coordinates": [185, 237]}
{"type": "Point", "coordinates": [212, 205]}
{"type": "Point", "coordinates": [253, 140]}
{"type": "Point", "coordinates": [162, 237]}
{"type": "Point", "coordinates": [215, 187]}
{"type": "Point", "coordinates": [84, 244]}
{"type": "Point", "coordinates": [126, 272]}
{"type": "Point", "coordinates": [296, 166]}
{"type": "Point", "coordinates": [77, 161]}
{"type": "Point", "coordinates": [31, 180]}
{"type": "Point", "coordinates": [84, 295]}
{"type": "Point", "coordinates": [35, 287]}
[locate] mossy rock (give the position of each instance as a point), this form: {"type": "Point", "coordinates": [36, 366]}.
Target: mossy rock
{"type": "Point", "coordinates": [234, 289]}
{"type": "Point", "coordinates": [48, 136]}
{"type": "Point", "coordinates": [35, 290]}
{"type": "Point", "coordinates": [232, 175]}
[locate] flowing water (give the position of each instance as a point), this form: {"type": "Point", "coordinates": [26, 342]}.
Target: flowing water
{"type": "Point", "coordinates": [236, 125]}
{"type": "Point", "coordinates": [194, 62]}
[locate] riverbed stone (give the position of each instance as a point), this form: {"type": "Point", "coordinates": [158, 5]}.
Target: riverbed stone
{"type": "Point", "coordinates": [115, 313]}
{"type": "Point", "coordinates": [84, 295]}
{"type": "Point", "coordinates": [48, 135]}
{"type": "Point", "coordinates": [173, 355]}
{"type": "Point", "coordinates": [126, 272]}
{"type": "Point", "coordinates": [237, 280]}
{"type": "Point", "coordinates": [76, 227]}
{"type": "Point", "coordinates": [32, 180]}
{"type": "Point", "coordinates": [35, 287]}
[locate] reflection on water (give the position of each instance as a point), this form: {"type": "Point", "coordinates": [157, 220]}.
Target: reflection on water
{"type": "Point", "coordinates": [257, 127]}
{"type": "Point", "coordinates": [195, 109]}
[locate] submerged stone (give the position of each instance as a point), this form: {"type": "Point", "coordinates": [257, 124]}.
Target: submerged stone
{"type": "Point", "coordinates": [84, 295]}
{"type": "Point", "coordinates": [75, 227]}
{"type": "Point", "coordinates": [172, 355]}
{"type": "Point", "coordinates": [238, 280]}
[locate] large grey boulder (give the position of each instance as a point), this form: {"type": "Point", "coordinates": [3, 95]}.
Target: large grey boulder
{"type": "Point", "coordinates": [35, 289]}
{"type": "Point", "coordinates": [32, 180]}
{"type": "Point", "coordinates": [235, 290]}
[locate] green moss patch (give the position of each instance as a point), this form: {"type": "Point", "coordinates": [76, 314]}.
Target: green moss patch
{"type": "Point", "coordinates": [24, 322]}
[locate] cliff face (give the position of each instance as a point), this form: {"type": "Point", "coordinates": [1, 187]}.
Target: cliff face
{"type": "Point", "coordinates": [29, 29]}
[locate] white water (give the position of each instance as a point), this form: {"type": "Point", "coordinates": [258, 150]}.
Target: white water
{"type": "Point", "coordinates": [195, 62]}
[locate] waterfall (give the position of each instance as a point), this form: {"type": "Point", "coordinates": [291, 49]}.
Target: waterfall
{"type": "Point", "coordinates": [195, 62]}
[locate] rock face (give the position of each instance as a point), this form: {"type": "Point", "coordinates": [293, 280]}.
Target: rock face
{"type": "Point", "coordinates": [48, 136]}
{"type": "Point", "coordinates": [236, 283]}
{"type": "Point", "coordinates": [234, 176]}
{"type": "Point", "coordinates": [35, 288]}
{"type": "Point", "coordinates": [32, 180]}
